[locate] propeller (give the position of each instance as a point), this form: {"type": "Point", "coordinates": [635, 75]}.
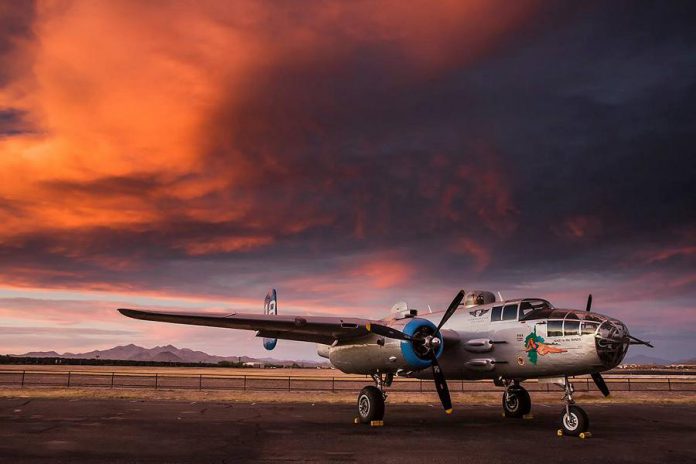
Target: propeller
{"type": "Point", "coordinates": [429, 344]}
{"type": "Point", "coordinates": [601, 384]}
{"type": "Point", "coordinates": [387, 331]}
{"type": "Point", "coordinates": [589, 303]}
{"type": "Point", "coordinates": [441, 385]}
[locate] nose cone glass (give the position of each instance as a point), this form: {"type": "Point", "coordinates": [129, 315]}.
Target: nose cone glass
{"type": "Point", "coordinates": [612, 342]}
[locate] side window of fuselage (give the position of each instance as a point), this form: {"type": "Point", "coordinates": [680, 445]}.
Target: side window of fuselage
{"type": "Point", "coordinates": [571, 328]}
{"type": "Point", "coordinates": [496, 313]}
{"type": "Point", "coordinates": [510, 312]}
{"type": "Point", "coordinates": [554, 329]}
{"type": "Point", "coordinates": [589, 328]}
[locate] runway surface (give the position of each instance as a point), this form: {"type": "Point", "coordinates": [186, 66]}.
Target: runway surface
{"type": "Point", "coordinates": [121, 431]}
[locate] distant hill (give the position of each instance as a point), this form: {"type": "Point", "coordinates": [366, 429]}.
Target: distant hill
{"type": "Point", "coordinates": [168, 353]}
{"type": "Point", "coordinates": [41, 354]}
{"type": "Point", "coordinates": [644, 360]}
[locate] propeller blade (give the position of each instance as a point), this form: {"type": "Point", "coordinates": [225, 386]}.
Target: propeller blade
{"type": "Point", "coordinates": [589, 303]}
{"type": "Point", "coordinates": [601, 384]}
{"type": "Point", "coordinates": [452, 308]}
{"type": "Point", "coordinates": [386, 331]}
{"type": "Point", "coordinates": [441, 385]}
{"type": "Point", "coordinates": [638, 341]}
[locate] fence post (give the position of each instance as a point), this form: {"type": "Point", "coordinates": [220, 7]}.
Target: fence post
{"type": "Point", "coordinates": [629, 383]}
{"type": "Point", "coordinates": [669, 384]}
{"type": "Point", "coordinates": [288, 383]}
{"type": "Point", "coordinates": [462, 384]}
{"type": "Point", "coordinates": [333, 384]}
{"type": "Point", "coordinates": [156, 377]}
{"type": "Point", "coordinates": [421, 385]}
{"type": "Point", "coordinates": [200, 382]}
{"type": "Point", "coordinates": [587, 381]}
{"type": "Point", "coordinates": [244, 382]}
{"type": "Point", "coordinates": [69, 373]}
{"type": "Point", "coordinates": [23, 373]}
{"type": "Point", "coordinates": [112, 379]}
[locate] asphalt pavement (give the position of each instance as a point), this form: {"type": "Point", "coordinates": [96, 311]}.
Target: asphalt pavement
{"type": "Point", "coordinates": [125, 431]}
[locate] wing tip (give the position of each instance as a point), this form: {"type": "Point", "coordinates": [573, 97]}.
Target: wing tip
{"type": "Point", "coordinates": [128, 312]}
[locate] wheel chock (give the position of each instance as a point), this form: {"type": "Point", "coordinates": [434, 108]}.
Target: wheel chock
{"type": "Point", "coordinates": [378, 423]}
{"type": "Point", "coordinates": [528, 416]}
{"type": "Point", "coordinates": [356, 420]}
{"type": "Point", "coordinates": [582, 435]}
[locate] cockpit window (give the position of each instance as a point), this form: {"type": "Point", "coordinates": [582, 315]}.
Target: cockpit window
{"type": "Point", "coordinates": [525, 308]}
{"type": "Point", "coordinates": [496, 313]}
{"type": "Point", "coordinates": [541, 309]}
{"type": "Point", "coordinates": [510, 312]}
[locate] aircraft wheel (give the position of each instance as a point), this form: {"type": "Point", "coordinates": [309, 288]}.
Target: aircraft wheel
{"type": "Point", "coordinates": [517, 403]}
{"type": "Point", "coordinates": [370, 404]}
{"type": "Point", "coordinates": [575, 421]}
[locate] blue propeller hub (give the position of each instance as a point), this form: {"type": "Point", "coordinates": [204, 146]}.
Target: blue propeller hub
{"type": "Point", "coordinates": [416, 352]}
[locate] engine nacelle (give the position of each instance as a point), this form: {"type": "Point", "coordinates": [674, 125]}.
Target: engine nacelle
{"type": "Point", "coordinates": [376, 353]}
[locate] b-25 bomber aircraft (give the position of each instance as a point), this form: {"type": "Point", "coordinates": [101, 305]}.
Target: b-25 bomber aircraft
{"type": "Point", "coordinates": [476, 337]}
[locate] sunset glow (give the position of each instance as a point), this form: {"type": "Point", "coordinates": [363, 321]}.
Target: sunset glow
{"type": "Point", "coordinates": [191, 155]}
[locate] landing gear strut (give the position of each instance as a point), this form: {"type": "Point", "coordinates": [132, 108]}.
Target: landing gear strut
{"type": "Point", "coordinates": [574, 420]}
{"type": "Point", "coordinates": [371, 398]}
{"type": "Point", "coordinates": [516, 400]}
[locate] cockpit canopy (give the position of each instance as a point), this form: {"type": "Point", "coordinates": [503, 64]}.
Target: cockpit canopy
{"type": "Point", "coordinates": [478, 297]}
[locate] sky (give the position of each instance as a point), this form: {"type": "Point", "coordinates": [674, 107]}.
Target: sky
{"type": "Point", "coordinates": [191, 155]}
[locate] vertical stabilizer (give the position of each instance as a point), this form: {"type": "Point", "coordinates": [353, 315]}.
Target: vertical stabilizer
{"type": "Point", "coordinates": [270, 306]}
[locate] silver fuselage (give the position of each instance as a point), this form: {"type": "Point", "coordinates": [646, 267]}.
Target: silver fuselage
{"type": "Point", "coordinates": [542, 343]}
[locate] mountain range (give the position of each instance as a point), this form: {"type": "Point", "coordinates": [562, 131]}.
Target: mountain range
{"type": "Point", "coordinates": [168, 353]}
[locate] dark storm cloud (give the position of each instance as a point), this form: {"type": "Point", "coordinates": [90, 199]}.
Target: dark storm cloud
{"type": "Point", "coordinates": [584, 128]}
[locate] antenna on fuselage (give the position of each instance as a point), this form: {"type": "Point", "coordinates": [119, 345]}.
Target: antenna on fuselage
{"type": "Point", "coordinates": [431, 311]}
{"type": "Point", "coordinates": [500, 296]}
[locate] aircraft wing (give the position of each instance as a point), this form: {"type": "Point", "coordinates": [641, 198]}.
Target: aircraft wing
{"type": "Point", "coordinates": [316, 329]}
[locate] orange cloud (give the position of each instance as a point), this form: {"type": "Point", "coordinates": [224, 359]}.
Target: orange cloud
{"type": "Point", "coordinates": [385, 271]}
{"type": "Point", "coordinates": [167, 118]}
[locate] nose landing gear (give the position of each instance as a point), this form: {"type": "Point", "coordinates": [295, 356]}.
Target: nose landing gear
{"type": "Point", "coordinates": [574, 420]}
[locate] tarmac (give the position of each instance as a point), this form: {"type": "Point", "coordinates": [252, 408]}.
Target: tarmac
{"type": "Point", "coordinates": [152, 431]}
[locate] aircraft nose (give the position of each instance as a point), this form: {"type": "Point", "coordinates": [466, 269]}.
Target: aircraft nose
{"type": "Point", "coordinates": [612, 342]}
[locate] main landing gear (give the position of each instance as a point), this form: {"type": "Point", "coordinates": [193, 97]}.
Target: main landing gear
{"type": "Point", "coordinates": [371, 399]}
{"type": "Point", "coordinates": [516, 400]}
{"type": "Point", "coordinates": [574, 420]}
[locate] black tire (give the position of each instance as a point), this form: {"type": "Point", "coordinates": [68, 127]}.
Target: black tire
{"type": "Point", "coordinates": [576, 423]}
{"type": "Point", "coordinates": [370, 405]}
{"type": "Point", "coordinates": [518, 404]}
